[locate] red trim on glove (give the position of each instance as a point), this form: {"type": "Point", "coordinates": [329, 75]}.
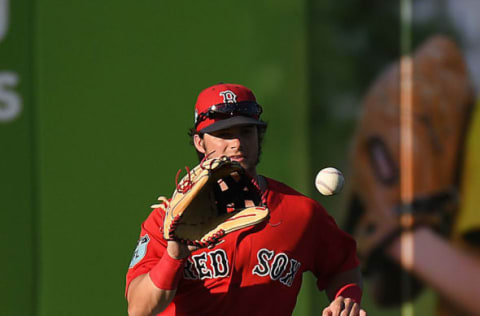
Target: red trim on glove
{"type": "Point", "coordinates": [167, 272]}
{"type": "Point", "coordinates": [352, 291]}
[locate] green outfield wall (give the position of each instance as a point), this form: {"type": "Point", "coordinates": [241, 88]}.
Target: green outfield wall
{"type": "Point", "coordinates": [104, 92]}
{"type": "Point", "coordinates": [18, 216]}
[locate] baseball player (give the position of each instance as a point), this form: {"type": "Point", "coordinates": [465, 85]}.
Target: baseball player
{"type": "Point", "coordinates": [255, 270]}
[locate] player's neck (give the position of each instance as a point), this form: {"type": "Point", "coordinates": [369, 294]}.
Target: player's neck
{"type": "Point", "coordinates": [259, 180]}
{"type": "Point", "coordinates": [262, 183]}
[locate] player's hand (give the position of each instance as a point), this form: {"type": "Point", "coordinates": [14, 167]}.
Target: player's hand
{"type": "Point", "coordinates": [178, 250]}
{"type": "Point", "coordinates": [343, 307]}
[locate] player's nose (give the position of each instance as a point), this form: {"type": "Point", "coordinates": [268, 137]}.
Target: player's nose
{"type": "Point", "coordinates": [235, 142]}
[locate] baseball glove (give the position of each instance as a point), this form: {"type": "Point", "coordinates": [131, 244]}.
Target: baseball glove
{"type": "Point", "coordinates": [441, 99]}
{"type": "Point", "coordinates": [217, 197]}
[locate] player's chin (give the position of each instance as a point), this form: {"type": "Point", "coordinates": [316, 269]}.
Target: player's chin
{"type": "Point", "coordinates": [242, 160]}
{"type": "Point", "coordinates": [246, 162]}
{"type": "Point", "coordinates": [249, 167]}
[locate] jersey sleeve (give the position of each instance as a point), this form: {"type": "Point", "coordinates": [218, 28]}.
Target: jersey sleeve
{"type": "Point", "coordinates": [336, 251]}
{"type": "Point", "coordinates": [150, 247]}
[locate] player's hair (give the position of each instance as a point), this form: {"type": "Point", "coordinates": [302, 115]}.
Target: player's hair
{"type": "Point", "coordinates": [260, 132]}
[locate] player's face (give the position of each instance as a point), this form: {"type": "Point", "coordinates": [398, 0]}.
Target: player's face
{"type": "Point", "coordinates": [240, 143]}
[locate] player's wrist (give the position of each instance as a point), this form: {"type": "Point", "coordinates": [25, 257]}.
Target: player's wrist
{"type": "Point", "coordinates": [177, 250]}
{"type": "Point", "coordinates": [167, 272]}
{"type": "Point", "coordinates": [351, 290]}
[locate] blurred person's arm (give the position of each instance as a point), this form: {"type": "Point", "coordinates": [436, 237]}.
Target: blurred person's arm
{"type": "Point", "coordinates": [451, 271]}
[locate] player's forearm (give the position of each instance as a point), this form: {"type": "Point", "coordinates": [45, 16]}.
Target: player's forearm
{"type": "Point", "coordinates": [151, 293]}
{"type": "Point", "coordinates": [338, 281]}
{"type": "Point", "coordinates": [345, 293]}
{"type": "Point", "coordinates": [145, 299]}
{"type": "Point", "coordinates": [453, 273]}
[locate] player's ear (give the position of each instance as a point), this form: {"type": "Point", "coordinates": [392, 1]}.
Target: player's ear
{"type": "Point", "coordinates": [198, 142]}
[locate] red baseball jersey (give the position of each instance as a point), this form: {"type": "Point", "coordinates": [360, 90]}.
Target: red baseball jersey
{"type": "Point", "coordinates": [256, 270]}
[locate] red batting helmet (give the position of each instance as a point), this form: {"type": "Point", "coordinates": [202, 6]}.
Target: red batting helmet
{"type": "Point", "coordinates": [225, 105]}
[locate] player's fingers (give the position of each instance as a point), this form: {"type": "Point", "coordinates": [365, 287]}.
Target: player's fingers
{"type": "Point", "coordinates": [327, 312]}
{"type": "Point", "coordinates": [346, 309]}
{"type": "Point", "coordinates": [363, 313]}
{"type": "Point", "coordinates": [347, 306]}
{"type": "Point", "coordinates": [192, 248]}
{"type": "Point", "coordinates": [355, 310]}
{"type": "Point", "coordinates": [337, 306]}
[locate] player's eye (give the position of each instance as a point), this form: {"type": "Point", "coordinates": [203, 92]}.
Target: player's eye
{"type": "Point", "coordinates": [223, 134]}
{"type": "Point", "coordinates": [247, 131]}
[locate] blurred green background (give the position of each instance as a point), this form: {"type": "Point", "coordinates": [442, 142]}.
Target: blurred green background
{"type": "Point", "coordinates": [96, 98]}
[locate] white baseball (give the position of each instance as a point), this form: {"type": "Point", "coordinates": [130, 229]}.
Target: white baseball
{"type": "Point", "coordinates": [329, 181]}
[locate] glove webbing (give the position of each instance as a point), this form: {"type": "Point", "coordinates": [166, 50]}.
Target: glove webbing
{"type": "Point", "coordinates": [234, 192]}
